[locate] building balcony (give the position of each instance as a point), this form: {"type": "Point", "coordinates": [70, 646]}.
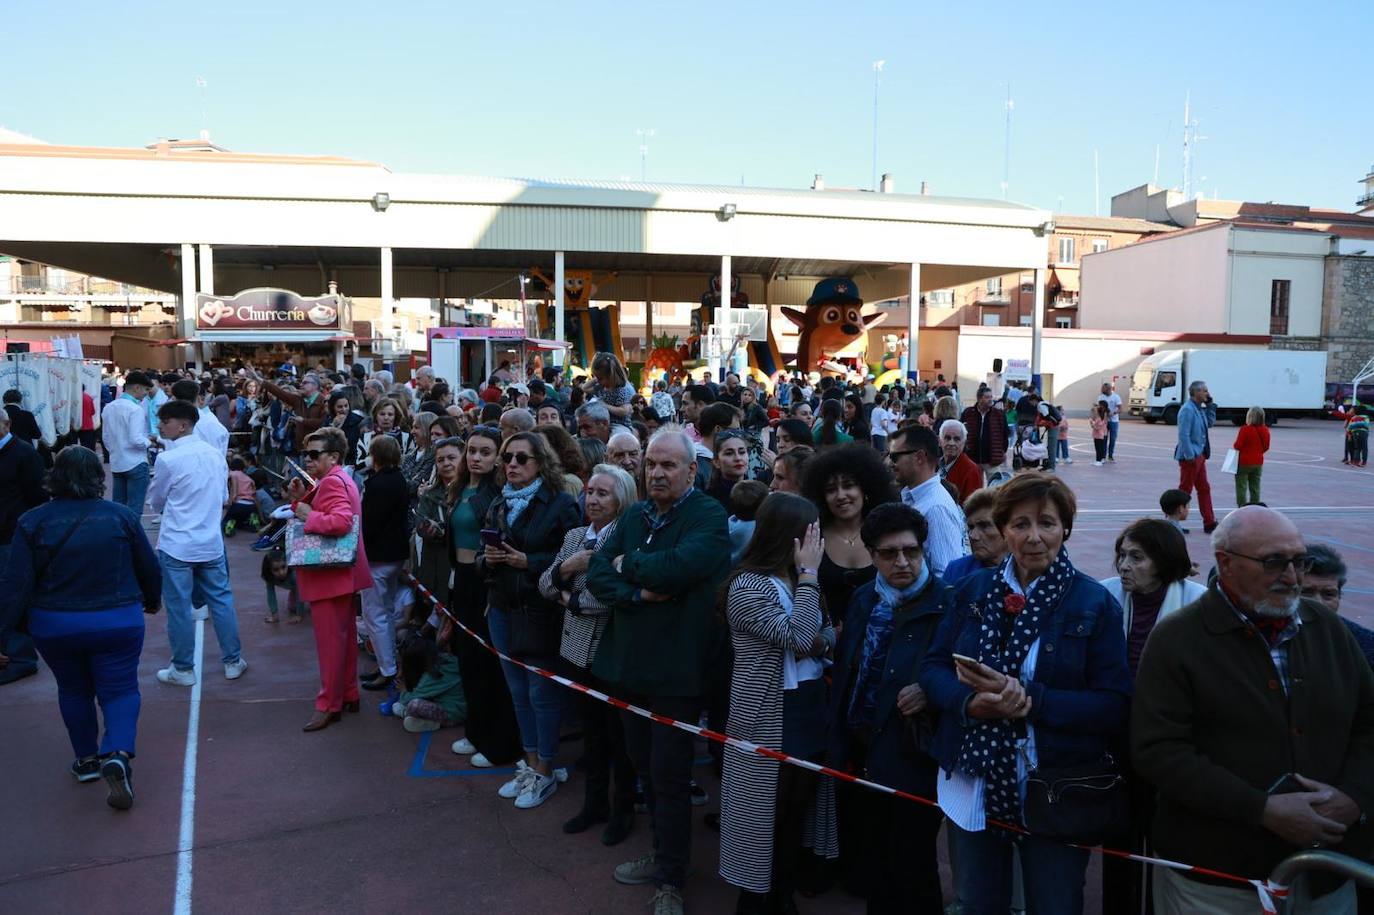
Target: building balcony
{"type": "Point", "coordinates": [1366, 201]}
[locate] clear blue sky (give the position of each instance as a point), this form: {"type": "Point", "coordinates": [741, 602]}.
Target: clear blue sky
{"type": "Point", "coordinates": [767, 94]}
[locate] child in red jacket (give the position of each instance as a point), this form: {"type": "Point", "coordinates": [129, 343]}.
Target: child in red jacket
{"type": "Point", "coordinates": [1251, 441]}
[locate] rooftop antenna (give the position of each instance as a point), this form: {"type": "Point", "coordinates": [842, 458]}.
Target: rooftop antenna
{"type": "Point", "coordinates": [645, 134]}
{"type": "Point", "coordinates": [877, 80]}
{"type": "Point", "coordinates": [1006, 150]}
{"type": "Point", "coordinates": [204, 121]}
{"type": "Point", "coordinates": [1156, 181]}
{"type": "Point", "coordinates": [1190, 139]}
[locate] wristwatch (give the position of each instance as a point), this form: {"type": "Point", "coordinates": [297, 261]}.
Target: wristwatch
{"type": "Point", "coordinates": [805, 571]}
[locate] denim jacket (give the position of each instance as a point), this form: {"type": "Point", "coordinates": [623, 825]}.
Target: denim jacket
{"type": "Point", "coordinates": [1193, 423]}
{"type": "Point", "coordinates": [1081, 691]}
{"type": "Point", "coordinates": [107, 562]}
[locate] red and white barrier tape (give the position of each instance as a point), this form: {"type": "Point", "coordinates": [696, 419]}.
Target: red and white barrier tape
{"type": "Point", "coordinates": [1267, 890]}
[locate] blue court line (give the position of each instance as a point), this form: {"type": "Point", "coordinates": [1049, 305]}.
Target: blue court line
{"type": "Point", "coordinates": [418, 770]}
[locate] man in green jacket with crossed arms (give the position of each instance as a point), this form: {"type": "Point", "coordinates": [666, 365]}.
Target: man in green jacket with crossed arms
{"type": "Point", "coordinates": [659, 574]}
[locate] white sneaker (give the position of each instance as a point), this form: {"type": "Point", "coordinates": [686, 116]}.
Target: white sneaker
{"type": "Point", "coordinates": [479, 761]}
{"type": "Point", "coordinates": [419, 725]}
{"type": "Point", "coordinates": [200, 613]}
{"type": "Point", "coordinates": [538, 789]}
{"type": "Point", "coordinates": [1097, 463]}
{"type": "Point", "coordinates": [234, 669]}
{"type": "Point", "coordinates": [463, 747]}
{"type": "Point", "coordinates": [511, 789]}
{"type": "Point", "coordinates": [1066, 460]}
{"type": "Point", "coordinates": [174, 677]}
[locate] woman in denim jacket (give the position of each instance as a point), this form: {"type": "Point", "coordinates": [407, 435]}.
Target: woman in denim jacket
{"type": "Point", "coordinates": [1046, 685]}
{"type": "Point", "coordinates": [83, 571]}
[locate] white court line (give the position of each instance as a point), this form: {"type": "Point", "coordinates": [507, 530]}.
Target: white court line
{"type": "Point", "coordinates": [1314, 461]}
{"type": "Point", "coordinates": [187, 835]}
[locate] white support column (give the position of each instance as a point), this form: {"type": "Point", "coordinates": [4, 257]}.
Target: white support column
{"type": "Point", "coordinates": [338, 355]}
{"type": "Point", "coordinates": [911, 364]}
{"type": "Point", "coordinates": [560, 327]}
{"type": "Point", "coordinates": [186, 309]}
{"type": "Point", "coordinates": [1037, 326]}
{"type": "Point", "coordinates": [718, 365]}
{"type": "Point", "coordinates": [388, 297]}
{"type": "Point", "coordinates": [207, 270]}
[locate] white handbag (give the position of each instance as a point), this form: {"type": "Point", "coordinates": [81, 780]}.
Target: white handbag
{"type": "Point", "coordinates": [1231, 462]}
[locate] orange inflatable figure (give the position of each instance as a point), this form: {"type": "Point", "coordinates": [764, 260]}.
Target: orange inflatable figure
{"type": "Point", "coordinates": [833, 319]}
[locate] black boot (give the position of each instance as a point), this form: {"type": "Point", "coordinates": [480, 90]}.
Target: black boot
{"type": "Point", "coordinates": [618, 828]}
{"type": "Point", "coordinates": [584, 820]}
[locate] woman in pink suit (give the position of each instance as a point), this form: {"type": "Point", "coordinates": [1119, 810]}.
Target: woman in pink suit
{"type": "Point", "coordinates": [329, 509]}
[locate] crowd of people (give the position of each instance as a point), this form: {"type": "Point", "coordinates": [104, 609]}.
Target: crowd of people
{"type": "Point", "coordinates": [876, 580]}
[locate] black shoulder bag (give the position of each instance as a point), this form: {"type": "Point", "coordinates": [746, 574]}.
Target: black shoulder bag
{"type": "Point", "coordinates": [1083, 804]}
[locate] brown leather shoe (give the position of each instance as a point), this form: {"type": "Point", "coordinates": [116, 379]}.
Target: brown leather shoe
{"type": "Point", "coordinates": [321, 720]}
{"type": "Point", "coordinates": [354, 707]}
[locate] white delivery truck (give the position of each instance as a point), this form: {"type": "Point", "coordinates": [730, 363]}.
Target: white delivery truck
{"type": "Point", "coordinates": [1283, 382]}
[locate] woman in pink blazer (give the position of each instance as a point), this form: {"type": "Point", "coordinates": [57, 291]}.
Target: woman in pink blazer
{"type": "Point", "coordinates": [329, 509]}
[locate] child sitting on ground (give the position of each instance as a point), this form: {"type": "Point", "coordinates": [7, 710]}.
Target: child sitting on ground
{"type": "Point", "coordinates": [1174, 503]}
{"type": "Point", "coordinates": [433, 696]}
{"type": "Point", "coordinates": [745, 499]}
{"type": "Point", "coordinates": [242, 499]}
{"type": "Point", "coordinates": [277, 574]}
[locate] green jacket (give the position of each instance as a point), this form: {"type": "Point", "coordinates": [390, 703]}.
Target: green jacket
{"type": "Point", "coordinates": [432, 560]}
{"type": "Point", "coordinates": [661, 648]}
{"type": "Point", "coordinates": [445, 690]}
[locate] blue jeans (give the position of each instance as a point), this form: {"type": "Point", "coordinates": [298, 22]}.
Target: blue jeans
{"type": "Point", "coordinates": [538, 701]}
{"type": "Point", "coordinates": [130, 488]}
{"type": "Point", "coordinates": [1113, 427]}
{"type": "Point", "coordinates": [1063, 449]}
{"type": "Point", "coordinates": [1052, 873]}
{"type": "Point", "coordinates": [96, 664]}
{"type": "Point", "coordinates": [1051, 439]}
{"type": "Point", "coordinates": [209, 580]}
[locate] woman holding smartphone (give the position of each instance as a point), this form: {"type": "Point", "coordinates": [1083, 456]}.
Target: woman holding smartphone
{"type": "Point", "coordinates": [1029, 673]}
{"type": "Point", "coordinates": [523, 533]}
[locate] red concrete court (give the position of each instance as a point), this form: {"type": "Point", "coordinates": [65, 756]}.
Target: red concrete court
{"type": "Point", "coordinates": [367, 817]}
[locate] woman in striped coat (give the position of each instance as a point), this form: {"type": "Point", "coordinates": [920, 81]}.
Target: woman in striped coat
{"type": "Point", "coordinates": [609, 493]}
{"type": "Point", "coordinates": [777, 700]}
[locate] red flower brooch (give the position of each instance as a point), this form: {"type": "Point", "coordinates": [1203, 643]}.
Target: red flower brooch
{"type": "Point", "coordinates": [1013, 604]}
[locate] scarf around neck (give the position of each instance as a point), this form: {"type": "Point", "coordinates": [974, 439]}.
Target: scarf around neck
{"type": "Point", "coordinates": [518, 499]}
{"type": "Point", "coordinates": [1005, 638]}
{"type": "Point", "coordinates": [877, 636]}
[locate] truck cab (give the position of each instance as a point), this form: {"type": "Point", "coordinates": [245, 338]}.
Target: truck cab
{"type": "Point", "coordinates": [1157, 388]}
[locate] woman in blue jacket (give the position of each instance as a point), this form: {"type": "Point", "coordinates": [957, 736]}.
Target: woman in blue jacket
{"type": "Point", "coordinates": [85, 573]}
{"type": "Point", "coordinates": [1047, 687]}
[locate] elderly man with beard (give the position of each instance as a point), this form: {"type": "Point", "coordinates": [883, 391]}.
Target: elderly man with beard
{"type": "Point", "coordinates": [1254, 718]}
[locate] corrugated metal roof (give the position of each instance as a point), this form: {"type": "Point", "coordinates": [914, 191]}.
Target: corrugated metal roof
{"type": "Point", "coordinates": [746, 191]}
